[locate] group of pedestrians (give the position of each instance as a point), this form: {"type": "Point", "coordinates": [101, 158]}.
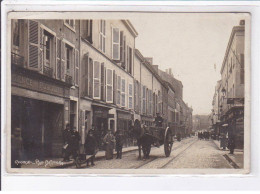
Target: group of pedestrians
{"type": "Point", "coordinates": [72, 139]}
{"type": "Point", "coordinates": [203, 135]}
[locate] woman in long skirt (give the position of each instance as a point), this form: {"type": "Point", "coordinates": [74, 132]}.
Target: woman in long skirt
{"type": "Point", "coordinates": [109, 141]}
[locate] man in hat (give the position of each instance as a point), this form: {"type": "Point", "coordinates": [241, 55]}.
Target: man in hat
{"type": "Point", "coordinates": [158, 120]}
{"type": "Point", "coordinates": [74, 142]}
{"type": "Point", "coordinates": [91, 147]}
{"type": "Point", "coordinates": [119, 143]}
{"type": "Point", "coordinates": [66, 140]}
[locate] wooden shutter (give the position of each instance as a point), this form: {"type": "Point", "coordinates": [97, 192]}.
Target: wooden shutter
{"type": "Point", "coordinates": [63, 66]}
{"type": "Point", "coordinates": [34, 51]}
{"type": "Point", "coordinates": [114, 86]}
{"type": "Point", "coordinates": [58, 62]}
{"type": "Point", "coordinates": [90, 77]}
{"type": "Point", "coordinates": [122, 47]}
{"type": "Point", "coordinates": [102, 82]}
{"type": "Point", "coordinates": [76, 67]}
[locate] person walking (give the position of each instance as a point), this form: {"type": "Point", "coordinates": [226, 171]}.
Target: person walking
{"type": "Point", "coordinates": [74, 143]}
{"type": "Point", "coordinates": [119, 143]}
{"type": "Point", "coordinates": [109, 141]}
{"type": "Point", "coordinates": [16, 148]}
{"type": "Point", "coordinates": [91, 147]}
{"type": "Point", "coordinates": [66, 140]}
{"type": "Point", "coordinates": [231, 144]}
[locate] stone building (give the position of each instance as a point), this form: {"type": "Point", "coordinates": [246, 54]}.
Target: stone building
{"type": "Point", "coordinates": [107, 83]}
{"type": "Point", "coordinates": [232, 93]}
{"type": "Point", "coordinates": [44, 78]}
{"type": "Point", "coordinates": [150, 91]}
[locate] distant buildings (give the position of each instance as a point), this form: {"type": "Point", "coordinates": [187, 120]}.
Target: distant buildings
{"type": "Point", "coordinates": [228, 101]}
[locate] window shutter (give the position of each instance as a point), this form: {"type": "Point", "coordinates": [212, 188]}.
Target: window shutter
{"type": "Point", "coordinates": [90, 78]}
{"type": "Point", "coordinates": [58, 63]}
{"type": "Point", "coordinates": [76, 67]}
{"type": "Point", "coordinates": [34, 51]}
{"type": "Point", "coordinates": [72, 69]}
{"type": "Point", "coordinates": [85, 72]}
{"type": "Point", "coordinates": [102, 82]}
{"type": "Point", "coordinates": [116, 43]}
{"type": "Point", "coordinates": [114, 86]}
{"type": "Point", "coordinates": [63, 66]}
{"type": "Point", "coordinates": [122, 47]}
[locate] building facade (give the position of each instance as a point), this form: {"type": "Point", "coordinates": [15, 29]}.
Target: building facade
{"type": "Point", "coordinates": [107, 83]}
{"type": "Point", "coordinates": [44, 61]}
{"type": "Point", "coordinates": [150, 92]}
{"type": "Point", "coordinates": [232, 93]}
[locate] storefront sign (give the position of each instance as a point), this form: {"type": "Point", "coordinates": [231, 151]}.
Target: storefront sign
{"type": "Point", "coordinates": [101, 113]}
{"type": "Point", "coordinates": [126, 116]}
{"type": "Point", "coordinates": [37, 85]}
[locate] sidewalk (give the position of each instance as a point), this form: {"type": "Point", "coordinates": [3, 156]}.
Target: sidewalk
{"type": "Point", "coordinates": [236, 159]}
{"type": "Point", "coordinates": [58, 162]}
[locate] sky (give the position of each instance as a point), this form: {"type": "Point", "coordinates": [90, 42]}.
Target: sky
{"type": "Point", "coordinates": [190, 44]}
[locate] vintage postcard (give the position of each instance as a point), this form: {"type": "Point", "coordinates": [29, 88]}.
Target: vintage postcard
{"type": "Point", "coordinates": [128, 93]}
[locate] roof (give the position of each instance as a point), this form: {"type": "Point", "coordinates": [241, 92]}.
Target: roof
{"type": "Point", "coordinates": [130, 27]}
{"type": "Point", "coordinates": [149, 67]}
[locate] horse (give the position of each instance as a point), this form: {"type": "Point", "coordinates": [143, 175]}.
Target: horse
{"type": "Point", "coordinates": [144, 141]}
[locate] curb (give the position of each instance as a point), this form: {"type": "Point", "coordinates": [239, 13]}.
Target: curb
{"type": "Point", "coordinates": [96, 158]}
{"type": "Point", "coordinates": [234, 164]}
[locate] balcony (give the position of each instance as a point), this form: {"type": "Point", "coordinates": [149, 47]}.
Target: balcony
{"type": "Point", "coordinates": [47, 71]}
{"type": "Point", "coordinates": [68, 79]}
{"type": "Point", "coordinates": [17, 60]}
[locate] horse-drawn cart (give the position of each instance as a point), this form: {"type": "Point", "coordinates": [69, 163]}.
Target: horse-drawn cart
{"type": "Point", "coordinates": [153, 135]}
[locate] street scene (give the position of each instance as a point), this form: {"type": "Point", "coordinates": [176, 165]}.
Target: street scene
{"type": "Point", "coordinates": [109, 94]}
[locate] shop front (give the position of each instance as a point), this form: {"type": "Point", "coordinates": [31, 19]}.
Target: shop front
{"type": "Point", "coordinates": [100, 122]}
{"type": "Point", "coordinates": [40, 108]}
{"type": "Point", "coordinates": [125, 123]}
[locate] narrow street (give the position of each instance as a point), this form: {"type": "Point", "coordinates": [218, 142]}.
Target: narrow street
{"type": "Point", "coordinates": [189, 153]}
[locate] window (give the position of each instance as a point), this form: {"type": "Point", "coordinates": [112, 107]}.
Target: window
{"type": "Point", "coordinates": [109, 86]}
{"type": "Point", "coordinates": [123, 93]}
{"type": "Point", "coordinates": [88, 29]}
{"type": "Point", "coordinates": [16, 33]}
{"type": "Point", "coordinates": [144, 100]}
{"type": "Point", "coordinates": [47, 48]}
{"type": "Point", "coordinates": [130, 87]}
{"type": "Point", "coordinates": [102, 36]}
{"type": "Point", "coordinates": [68, 58]}
{"type": "Point", "coordinates": [116, 43]}
{"type": "Point", "coordinates": [96, 83]}
{"type": "Point", "coordinates": [130, 59]}
{"type": "Point", "coordinates": [118, 90]}
{"type": "Point", "coordinates": [70, 24]}
{"type": "Point", "coordinates": [242, 73]}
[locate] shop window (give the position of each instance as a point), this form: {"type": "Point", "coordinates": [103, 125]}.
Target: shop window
{"type": "Point", "coordinates": [16, 33]}
{"type": "Point", "coordinates": [130, 87]}
{"type": "Point", "coordinates": [115, 43]}
{"type": "Point", "coordinates": [118, 90]}
{"type": "Point", "coordinates": [109, 85]}
{"type": "Point", "coordinates": [96, 77]}
{"type": "Point", "coordinates": [123, 93]}
{"type": "Point", "coordinates": [102, 36]}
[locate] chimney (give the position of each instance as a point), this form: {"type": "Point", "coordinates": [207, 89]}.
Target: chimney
{"type": "Point", "coordinates": [242, 22]}
{"type": "Point", "coordinates": [156, 68]}
{"type": "Point", "coordinates": [170, 71]}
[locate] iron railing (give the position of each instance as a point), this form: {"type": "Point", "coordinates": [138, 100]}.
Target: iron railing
{"type": "Point", "coordinates": [68, 79]}
{"type": "Point", "coordinates": [17, 59]}
{"type": "Point", "coordinates": [48, 71]}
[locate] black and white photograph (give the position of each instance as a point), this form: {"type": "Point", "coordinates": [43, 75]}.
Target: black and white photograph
{"type": "Point", "coordinates": [129, 93]}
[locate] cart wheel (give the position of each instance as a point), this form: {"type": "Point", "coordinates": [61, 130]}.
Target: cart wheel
{"type": "Point", "coordinates": [168, 142]}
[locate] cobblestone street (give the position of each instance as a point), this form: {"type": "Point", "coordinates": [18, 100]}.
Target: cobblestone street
{"type": "Point", "coordinates": [189, 153]}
